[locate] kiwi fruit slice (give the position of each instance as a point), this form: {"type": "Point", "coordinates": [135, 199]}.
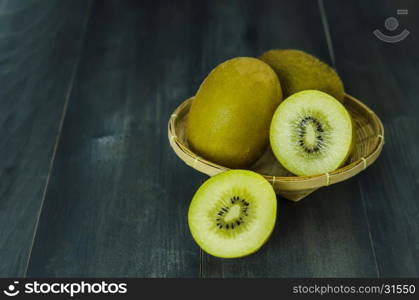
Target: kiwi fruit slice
{"type": "Point", "coordinates": [298, 71]}
{"type": "Point", "coordinates": [233, 213]}
{"type": "Point", "coordinates": [311, 133]}
{"type": "Point", "coordinates": [228, 122]}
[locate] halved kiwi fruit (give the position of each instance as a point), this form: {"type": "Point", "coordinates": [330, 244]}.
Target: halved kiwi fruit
{"type": "Point", "coordinates": [311, 133]}
{"type": "Point", "coordinates": [233, 213]}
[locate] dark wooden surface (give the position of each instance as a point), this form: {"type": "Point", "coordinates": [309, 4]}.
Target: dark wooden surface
{"type": "Point", "coordinates": [385, 76]}
{"type": "Point", "coordinates": [40, 43]}
{"type": "Point", "coordinates": [90, 187]}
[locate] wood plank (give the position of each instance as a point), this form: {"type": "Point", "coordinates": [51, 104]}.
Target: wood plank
{"type": "Point", "coordinates": [39, 48]}
{"type": "Point", "coordinates": [118, 197]}
{"type": "Point", "coordinates": [385, 77]}
{"type": "Point", "coordinates": [327, 233]}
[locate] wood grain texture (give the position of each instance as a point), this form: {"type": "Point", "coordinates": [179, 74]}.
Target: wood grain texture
{"type": "Point", "coordinates": [118, 197]}
{"type": "Point", "coordinates": [385, 76]}
{"type": "Point", "coordinates": [39, 46]}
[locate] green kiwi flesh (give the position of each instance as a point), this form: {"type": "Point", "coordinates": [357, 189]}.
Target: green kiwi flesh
{"type": "Point", "coordinates": [233, 213]}
{"type": "Point", "coordinates": [311, 133]}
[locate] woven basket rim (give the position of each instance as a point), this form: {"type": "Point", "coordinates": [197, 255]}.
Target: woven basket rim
{"type": "Point", "coordinates": [312, 181]}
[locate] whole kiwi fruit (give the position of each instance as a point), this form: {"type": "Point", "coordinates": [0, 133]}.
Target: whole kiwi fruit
{"type": "Point", "coordinates": [228, 122]}
{"type": "Point", "coordinates": [299, 71]}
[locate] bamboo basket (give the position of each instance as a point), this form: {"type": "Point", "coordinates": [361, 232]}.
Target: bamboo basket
{"type": "Point", "coordinates": [368, 146]}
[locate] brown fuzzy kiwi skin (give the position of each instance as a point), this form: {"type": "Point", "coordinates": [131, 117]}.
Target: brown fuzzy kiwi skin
{"type": "Point", "coordinates": [228, 122]}
{"type": "Point", "coordinates": [298, 71]}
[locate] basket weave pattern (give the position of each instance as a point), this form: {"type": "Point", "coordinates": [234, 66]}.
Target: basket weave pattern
{"type": "Point", "coordinates": [368, 146]}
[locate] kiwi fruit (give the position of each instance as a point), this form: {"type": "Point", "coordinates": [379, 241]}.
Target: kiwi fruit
{"type": "Point", "coordinates": [233, 213]}
{"type": "Point", "coordinates": [299, 71]}
{"type": "Point", "coordinates": [228, 122]}
{"type": "Point", "coordinates": [311, 133]}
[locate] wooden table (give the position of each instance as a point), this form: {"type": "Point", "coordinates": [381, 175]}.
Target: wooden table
{"type": "Point", "coordinates": [90, 187]}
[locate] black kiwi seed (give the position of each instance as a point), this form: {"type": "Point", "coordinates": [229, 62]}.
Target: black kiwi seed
{"type": "Point", "coordinates": [221, 224]}
{"type": "Point", "coordinates": [302, 131]}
